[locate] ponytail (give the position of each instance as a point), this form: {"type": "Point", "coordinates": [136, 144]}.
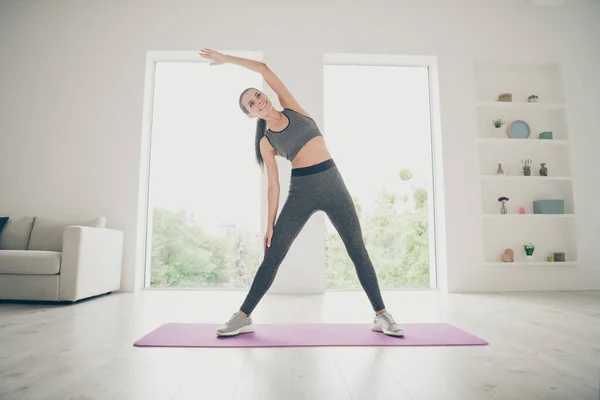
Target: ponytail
{"type": "Point", "coordinates": [261, 127]}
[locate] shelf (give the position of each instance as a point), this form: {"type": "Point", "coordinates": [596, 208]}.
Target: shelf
{"type": "Point", "coordinates": [549, 232]}
{"type": "Point", "coordinates": [540, 142]}
{"type": "Point", "coordinates": [532, 263]}
{"type": "Point", "coordinates": [521, 104]}
{"type": "Point", "coordinates": [515, 178]}
{"type": "Point", "coordinates": [528, 216]}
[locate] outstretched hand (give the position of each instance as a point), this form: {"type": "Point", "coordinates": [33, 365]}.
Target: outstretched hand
{"type": "Point", "coordinates": [215, 56]}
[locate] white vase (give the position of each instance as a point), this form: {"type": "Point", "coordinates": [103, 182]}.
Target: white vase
{"type": "Point", "coordinates": [498, 132]}
{"type": "Point", "coordinates": [529, 258]}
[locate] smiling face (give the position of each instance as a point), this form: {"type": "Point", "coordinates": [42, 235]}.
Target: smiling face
{"type": "Point", "coordinates": [255, 103]}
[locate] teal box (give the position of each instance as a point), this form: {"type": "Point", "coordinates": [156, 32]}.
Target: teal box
{"type": "Point", "coordinates": [549, 207]}
{"type": "Point", "coordinates": [545, 135]}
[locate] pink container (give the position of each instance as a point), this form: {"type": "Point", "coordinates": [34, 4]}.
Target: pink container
{"type": "Point", "coordinates": [521, 210]}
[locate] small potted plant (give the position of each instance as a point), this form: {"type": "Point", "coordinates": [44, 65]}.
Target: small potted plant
{"type": "Point", "coordinates": [503, 200]}
{"type": "Point", "coordinates": [497, 125]}
{"type": "Point", "coordinates": [529, 248]}
{"type": "Point", "coordinates": [526, 167]}
{"type": "Point", "coordinates": [533, 98]}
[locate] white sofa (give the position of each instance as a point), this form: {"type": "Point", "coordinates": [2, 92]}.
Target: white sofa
{"type": "Point", "coordinates": [58, 259]}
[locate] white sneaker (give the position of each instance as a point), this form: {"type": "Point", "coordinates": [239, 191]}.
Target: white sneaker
{"type": "Point", "coordinates": [386, 324]}
{"type": "Point", "coordinates": [237, 324]}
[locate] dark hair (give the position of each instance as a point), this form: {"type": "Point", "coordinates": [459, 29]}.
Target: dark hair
{"type": "Point", "coordinates": [261, 127]}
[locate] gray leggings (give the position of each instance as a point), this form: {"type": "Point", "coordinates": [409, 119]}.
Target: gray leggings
{"type": "Point", "coordinates": [316, 188]}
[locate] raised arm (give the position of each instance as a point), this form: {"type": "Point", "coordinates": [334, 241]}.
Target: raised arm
{"type": "Point", "coordinates": [286, 99]}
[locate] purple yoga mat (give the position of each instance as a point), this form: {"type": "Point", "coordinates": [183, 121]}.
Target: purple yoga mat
{"type": "Point", "coordinates": [304, 335]}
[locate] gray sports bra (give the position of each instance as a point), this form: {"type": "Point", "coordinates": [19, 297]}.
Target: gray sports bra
{"type": "Point", "coordinates": [289, 141]}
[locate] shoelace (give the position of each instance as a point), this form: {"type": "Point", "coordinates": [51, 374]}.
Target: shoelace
{"type": "Point", "coordinates": [231, 318]}
{"type": "Point", "coordinates": [389, 317]}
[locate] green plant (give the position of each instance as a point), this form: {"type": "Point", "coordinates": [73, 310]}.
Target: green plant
{"type": "Point", "coordinates": [532, 96]}
{"type": "Point", "coordinates": [498, 122]}
{"type": "Point", "coordinates": [527, 167]}
{"type": "Point", "coordinates": [529, 248]}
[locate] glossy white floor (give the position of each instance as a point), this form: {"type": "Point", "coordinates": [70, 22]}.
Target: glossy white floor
{"type": "Point", "coordinates": [542, 346]}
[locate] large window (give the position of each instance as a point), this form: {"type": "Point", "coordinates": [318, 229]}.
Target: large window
{"type": "Point", "coordinates": [204, 195]}
{"type": "Point", "coordinates": [377, 123]}
{"type": "Point", "coordinates": [207, 197]}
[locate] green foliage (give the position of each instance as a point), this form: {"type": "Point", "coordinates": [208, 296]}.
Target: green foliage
{"type": "Point", "coordinates": [529, 248]}
{"type": "Point", "coordinates": [182, 254]}
{"type": "Point", "coordinates": [405, 175]}
{"type": "Point", "coordinates": [420, 197]}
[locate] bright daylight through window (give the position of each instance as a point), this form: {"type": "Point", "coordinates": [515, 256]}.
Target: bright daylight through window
{"type": "Point", "coordinates": [377, 124]}
{"type": "Point", "coordinates": [205, 187]}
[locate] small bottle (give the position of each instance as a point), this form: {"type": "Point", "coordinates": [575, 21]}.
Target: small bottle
{"type": "Point", "coordinates": [543, 170]}
{"type": "Point", "coordinates": [500, 171]}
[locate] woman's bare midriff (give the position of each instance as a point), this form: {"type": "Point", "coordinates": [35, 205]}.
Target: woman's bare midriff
{"type": "Point", "coordinates": [313, 152]}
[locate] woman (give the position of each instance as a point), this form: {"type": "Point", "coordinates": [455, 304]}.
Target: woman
{"type": "Point", "coordinates": [316, 185]}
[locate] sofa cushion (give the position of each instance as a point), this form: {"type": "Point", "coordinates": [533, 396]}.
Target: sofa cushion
{"type": "Point", "coordinates": [28, 262]}
{"type": "Point", "coordinates": [47, 232]}
{"type": "Point", "coordinates": [16, 233]}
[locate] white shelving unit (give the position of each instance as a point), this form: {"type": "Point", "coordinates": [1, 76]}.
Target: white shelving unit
{"type": "Point", "coordinates": [530, 179]}
{"type": "Point", "coordinates": [549, 233]}
{"type": "Point", "coordinates": [523, 142]}
{"type": "Point", "coordinates": [523, 217]}
{"type": "Point", "coordinates": [532, 264]}
{"type": "Point", "coordinates": [521, 104]}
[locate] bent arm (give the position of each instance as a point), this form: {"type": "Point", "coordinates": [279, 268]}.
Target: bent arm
{"type": "Point", "coordinates": [268, 153]}
{"type": "Point", "coordinates": [286, 99]}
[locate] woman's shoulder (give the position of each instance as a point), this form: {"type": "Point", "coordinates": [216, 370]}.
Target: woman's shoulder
{"type": "Point", "coordinates": [299, 111]}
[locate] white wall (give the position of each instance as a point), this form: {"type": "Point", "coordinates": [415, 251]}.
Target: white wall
{"type": "Point", "coordinates": [72, 87]}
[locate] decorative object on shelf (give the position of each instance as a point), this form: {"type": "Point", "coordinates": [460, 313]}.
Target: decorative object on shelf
{"type": "Point", "coordinates": [518, 129]}
{"type": "Point", "coordinates": [550, 206]}
{"type": "Point", "coordinates": [503, 200]}
{"type": "Point", "coordinates": [497, 126]}
{"type": "Point", "coordinates": [527, 167]}
{"type": "Point", "coordinates": [506, 97]}
{"type": "Point", "coordinates": [545, 135]}
{"type": "Point", "coordinates": [550, 258]}
{"type": "Point", "coordinates": [499, 171]}
{"type": "Point", "coordinates": [521, 210]}
{"type": "Point", "coordinates": [529, 249]}
{"type": "Point", "coordinates": [508, 256]}
{"type": "Point", "coordinates": [559, 257]}
{"type": "Point", "coordinates": [543, 169]}
{"type": "Point", "coordinates": [532, 98]}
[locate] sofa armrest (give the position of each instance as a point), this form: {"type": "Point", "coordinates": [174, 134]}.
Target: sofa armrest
{"type": "Point", "coordinates": [91, 262]}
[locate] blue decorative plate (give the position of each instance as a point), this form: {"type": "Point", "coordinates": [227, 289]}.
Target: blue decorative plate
{"type": "Point", "coordinates": [519, 130]}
